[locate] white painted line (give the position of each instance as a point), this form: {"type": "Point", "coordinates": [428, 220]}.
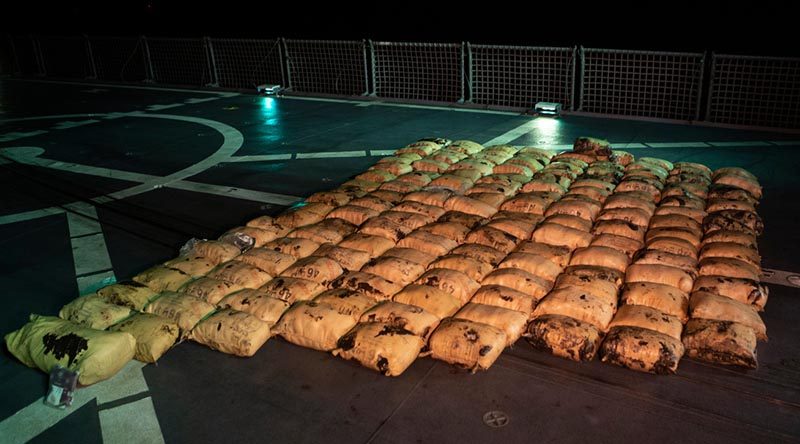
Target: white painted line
{"type": "Point", "coordinates": [29, 215]}
{"type": "Point", "coordinates": [785, 142]}
{"type": "Point", "coordinates": [738, 144]}
{"type": "Point", "coordinates": [512, 134]}
{"type": "Point", "coordinates": [365, 104]}
{"type": "Point", "coordinates": [780, 277]}
{"type": "Point", "coordinates": [199, 100]}
{"type": "Point", "coordinates": [566, 146]}
{"type": "Point", "coordinates": [319, 99]}
{"type": "Point", "coordinates": [628, 146]}
{"type": "Point", "coordinates": [150, 88]}
{"type": "Point", "coordinates": [37, 417]}
{"type": "Point", "coordinates": [93, 282]}
{"type": "Point", "coordinates": [131, 423]}
{"type": "Point", "coordinates": [381, 152]}
{"type": "Point", "coordinates": [238, 193]}
{"type": "Point", "coordinates": [677, 144]}
{"type": "Point", "coordinates": [90, 254]}
{"type": "Point", "coordinates": [29, 155]}
{"type": "Point", "coordinates": [8, 137]}
{"type": "Point", "coordinates": [72, 124]}
{"type": "Point", "coordinates": [330, 155]}
{"type": "Point", "coordinates": [163, 107]}
{"type": "Point", "coordinates": [82, 219]}
{"type": "Point", "coordinates": [259, 158]}
{"type": "Point", "coordinates": [444, 108]}
{"type": "Point", "coordinates": [56, 116]}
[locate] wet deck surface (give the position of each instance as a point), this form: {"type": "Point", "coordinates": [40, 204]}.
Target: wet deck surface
{"type": "Point", "coordinates": [290, 394]}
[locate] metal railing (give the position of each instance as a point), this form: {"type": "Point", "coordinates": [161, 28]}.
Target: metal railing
{"type": "Point", "coordinates": [675, 86]}
{"type": "Point", "coordinates": [760, 91]}
{"type": "Point", "coordinates": [664, 85]}
{"type": "Point", "coordinates": [520, 76]}
{"type": "Point", "coordinates": [428, 72]}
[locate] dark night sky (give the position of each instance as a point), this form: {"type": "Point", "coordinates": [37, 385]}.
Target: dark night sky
{"type": "Point", "coordinates": [685, 26]}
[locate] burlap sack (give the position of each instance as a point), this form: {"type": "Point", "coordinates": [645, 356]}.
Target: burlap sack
{"type": "Point", "coordinates": [601, 257]}
{"type": "Point", "coordinates": [452, 182]}
{"type": "Point", "coordinates": [292, 289]}
{"type": "Point", "coordinates": [396, 165]}
{"type": "Point", "coordinates": [302, 215]}
{"type": "Point", "coordinates": [376, 176]}
{"type": "Point", "coordinates": [535, 264]}
{"type": "Point", "coordinates": [313, 325]}
{"type": "Point", "coordinates": [696, 214]}
{"type": "Point", "coordinates": [399, 186]}
{"type": "Point", "coordinates": [505, 297]}
{"type": "Point", "coordinates": [240, 273]}
{"type": "Point", "coordinates": [268, 223]}
{"type": "Point", "coordinates": [581, 208]}
{"type": "Point", "coordinates": [481, 253]}
{"type": "Point", "coordinates": [694, 203]}
{"type": "Point", "coordinates": [315, 268]}
{"type": "Point", "coordinates": [409, 317]}
{"type": "Point", "coordinates": [209, 289]}
{"type": "Point", "coordinates": [642, 350]}
{"type": "Point", "coordinates": [736, 237]}
{"type": "Point", "coordinates": [194, 266]}
{"type": "Point", "coordinates": [394, 269]}
{"type": "Point", "coordinates": [427, 243]}
{"type": "Point", "coordinates": [386, 228]}
{"type": "Point", "coordinates": [647, 318]}
{"type": "Point", "coordinates": [730, 267]}
{"type": "Point", "coordinates": [184, 310]}
{"type": "Point", "coordinates": [640, 184]}
{"type": "Point", "coordinates": [493, 237]}
{"type": "Point", "coordinates": [433, 300]}
{"type": "Point", "coordinates": [580, 305]}
{"type": "Point", "coordinates": [592, 192]}
{"type": "Point", "coordinates": [715, 205]}
{"type": "Point", "coordinates": [406, 219]}
{"type": "Point", "coordinates": [430, 197]}
{"type": "Point", "coordinates": [519, 280]}
{"type": "Point", "coordinates": [216, 251]}
{"type": "Point", "coordinates": [453, 282]}
{"type": "Point", "coordinates": [556, 254]}
{"type": "Point", "coordinates": [372, 202]}
{"type": "Point", "coordinates": [269, 261]}
{"type": "Point", "coordinates": [565, 337]}
{"type": "Point", "coordinates": [354, 214]}
{"type": "Point", "coordinates": [720, 342]}
{"type": "Point", "coordinates": [470, 221]}
{"type": "Point", "coordinates": [526, 203]}
{"type": "Point", "coordinates": [346, 301]}
{"type": "Point", "coordinates": [590, 272]}
{"type": "Point", "coordinates": [348, 258]}
{"type": "Point", "coordinates": [410, 254]}
{"type": "Point", "coordinates": [128, 294]}
{"type": "Point", "coordinates": [570, 221]}
{"type": "Point", "coordinates": [731, 250]}
{"type": "Point", "coordinates": [154, 335]}
{"type": "Point", "coordinates": [656, 257]}
{"type": "Point", "coordinates": [319, 233]}
{"type": "Point", "coordinates": [161, 278]}
{"type": "Point", "coordinates": [451, 230]}
{"type": "Point", "coordinates": [257, 303]}
{"type": "Point", "coordinates": [511, 322]}
{"type": "Point", "coordinates": [473, 268]}
{"type": "Point", "coordinates": [687, 235]}
{"type": "Point", "coordinates": [260, 237]}
{"type": "Point", "coordinates": [660, 274]}
{"type": "Point", "coordinates": [366, 283]}
{"type": "Point", "coordinates": [705, 305]}
{"type": "Point", "coordinates": [520, 227]}
{"type": "Point", "coordinates": [733, 220]}
{"type": "Point", "coordinates": [503, 186]}
{"type": "Point", "coordinates": [594, 285]}
{"type": "Point", "coordinates": [745, 291]}
{"type": "Point", "coordinates": [410, 206]}
{"type": "Point", "coordinates": [543, 185]}
{"type": "Point", "coordinates": [297, 247]}
{"type": "Point", "coordinates": [745, 183]}
{"type": "Point", "coordinates": [631, 199]}
{"type": "Point", "coordinates": [673, 245]}
{"type": "Point", "coordinates": [467, 344]}
{"type": "Point", "coordinates": [465, 146]}
{"type": "Point", "coordinates": [46, 341]}
{"type": "Point", "coordinates": [664, 298]}
{"type": "Point", "coordinates": [385, 348]}
{"type": "Point", "coordinates": [636, 216]}
{"type": "Point", "coordinates": [332, 198]}
{"type": "Point", "coordinates": [232, 332]}
{"type": "Point", "coordinates": [559, 235]}
{"type": "Point", "coordinates": [93, 311]}
{"type": "Point", "coordinates": [619, 228]}
{"type": "Point", "coordinates": [431, 165]}
{"type": "Point", "coordinates": [372, 245]}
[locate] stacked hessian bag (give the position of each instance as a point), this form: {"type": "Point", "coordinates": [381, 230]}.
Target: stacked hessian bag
{"type": "Point", "coordinates": [571, 320]}
{"type": "Point", "coordinates": [646, 331]}
{"type": "Point", "coordinates": [724, 324]}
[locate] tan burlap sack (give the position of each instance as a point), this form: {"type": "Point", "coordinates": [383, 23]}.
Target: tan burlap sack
{"type": "Point", "coordinates": [297, 247]}
{"type": "Point", "coordinates": [94, 312]}
{"type": "Point", "coordinates": [128, 294]}
{"type": "Point", "coordinates": [184, 310]}
{"type": "Point", "coordinates": [240, 273]}
{"type": "Point", "coordinates": [467, 344]}
{"type": "Point", "coordinates": [409, 317]}
{"type": "Point", "coordinates": [745, 291]}
{"type": "Point", "coordinates": [194, 266]}
{"type": "Point", "coordinates": [209, 289]}
{"type": "Point", "coordinates": [601, 257]}
{"type": "Point", "coordinates": [511, 322]}
{"type": "Point", "coordinates": [161, 278]}
{"type": "Point", "coordinates": [313, 325]}
{"type": "Point", "coordinates": [505, 297]}
{"type": "Point", "coordinates": [664, 298]}
{"type": "Point", "coordinates": [292, 289]}
{"type": "Point", "coordinates": [386, 348]}
{"type": "Point", "coordinates": [232, 332]}
{"type": "Point", "coordinates": [269, 261]}
{"type": "Point", "coordinates": [315, 268]}
{"type": "Point", "coordinates": [519, 280]}
{"type": "Point", "coordinates": [647, 318]}
{"type": "Point", "coordinates": [394, 269]}
{"type": "Point", "coordinates": [705, 305]}
{"type": "Point", "coordinates": [642, 350]}
{"type": "Point", "coordinates": [47, 341]}
{"type": "Point", "coordinates": [369, 284]}
{"type": "Point", "coordinates": [660, 274]}
{"type": "Point", "coordinates": [154, 335]}
{"type": "Point", "coordinates": [536, 264]}
{"type": "Point", "coordinates": [433, 300]}
{"type": "Point", "coordinates": [257, 303]}
{"type": "Point", "coordinates": [346, 301]}
{"type": "Point", "coordinates": [721, 342]}
{"type": "Point", "coordinates": [565, 337]}
{"type": "Point", "coordinates": [454, 282]}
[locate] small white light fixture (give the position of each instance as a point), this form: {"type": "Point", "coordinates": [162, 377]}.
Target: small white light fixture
{"type": "Point", "coordinates": [269, 89]}
{"type": "Point", "coordinates": [547, 108]}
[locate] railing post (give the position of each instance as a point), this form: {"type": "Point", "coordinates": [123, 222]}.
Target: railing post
{"type": "Point", "coordinates": [37, 55]}
{"type": "Point", "coordinates": [710, 93]}
{"type": "Point", "coordinates": [469, 76]}
{"type": "Point", "coordinates": [211, 62]}
{"type": "Point", "coordinates": [372, 64]}
{"type": "Point", "coordinates": [582, 61]}
{"type": "Point", "coordinates": [285, 63]}
{"type": "Point", "coordinates": [149, 74]}
{"type": "Point", "coordinates": [572, 98]}
{"type": "Point", "coordinates": [90, 57]}
{"type": "Point", "coordinates": [366, 68]}
{"type": "Point", "coordinates": [463, 71]}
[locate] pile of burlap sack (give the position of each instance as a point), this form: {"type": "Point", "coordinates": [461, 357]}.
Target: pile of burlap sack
{"type": "Point", "coordinates": [455, 250]}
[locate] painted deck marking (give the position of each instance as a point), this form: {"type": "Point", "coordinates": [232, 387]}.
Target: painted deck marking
{"type": "Point", "coordinates": [73, 124]}
{"type": "Point", "coordinates": [195, 100]}
{"type": "Point", "coordinates": [8, 137]}
{"type": "Point", "coordinates": [163, 107]}
{"type": "Point", "coordinates": [331, 155]}
{"type": "Point", "coordinates": [260, 158]}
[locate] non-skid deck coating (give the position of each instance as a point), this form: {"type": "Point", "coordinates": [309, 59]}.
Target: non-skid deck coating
{"type": "Point", "coordinates": [290, 394]}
